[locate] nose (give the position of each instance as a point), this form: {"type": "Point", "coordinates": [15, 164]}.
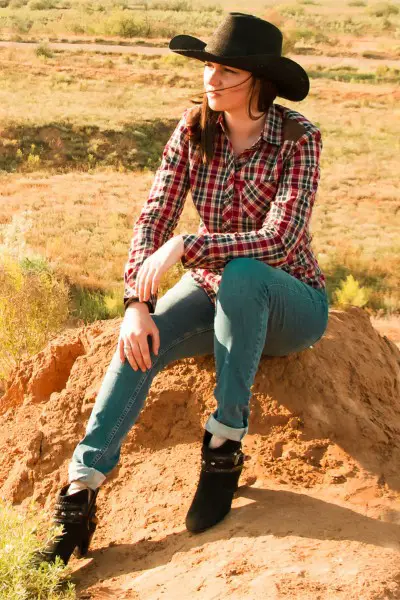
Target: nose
{"type": "Point", "coordinates": [213, 78]}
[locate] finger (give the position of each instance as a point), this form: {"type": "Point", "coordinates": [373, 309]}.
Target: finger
{"type": "Point", "coordinates": [137, 355]}
{"type": "Point", "coordinates": [142, 282]}
{"type": "Point", "coordinates": [121, 350]}
{"type": "Point", "coordinates": [156, 339]}
{"type": "Point", "coordinates": [130, 356]}
{"type": "Point", "coordinates": [144, 349]}
{"type": "Point", "coordinates": [148, 285]}
{"type": "Point", "coordinates": [154, 285]}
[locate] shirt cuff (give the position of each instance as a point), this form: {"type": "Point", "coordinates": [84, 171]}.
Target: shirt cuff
{"type": "Point", "coordinates": [192, 249]}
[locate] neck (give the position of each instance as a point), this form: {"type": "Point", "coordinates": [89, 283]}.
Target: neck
{"type": "Point", "coordinates": [240, 126]}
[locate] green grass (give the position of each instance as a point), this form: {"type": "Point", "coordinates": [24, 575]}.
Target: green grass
{"type": "Point", "coordinates": [33, 308]}
{"type": "Point", "coordinates": [170, 17]}
{"type": "Point", "coordinates": [21, 534]}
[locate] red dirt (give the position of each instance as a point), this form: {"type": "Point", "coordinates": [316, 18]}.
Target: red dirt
{"type": "Point", "coordinates": [317, 515]}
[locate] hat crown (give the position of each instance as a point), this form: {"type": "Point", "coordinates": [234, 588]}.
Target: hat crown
{"type": "Point", "coordinates": [242, 34]}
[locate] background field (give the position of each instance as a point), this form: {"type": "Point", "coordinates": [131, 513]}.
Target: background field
{"type": "Point", "coordinates": [83, 128]}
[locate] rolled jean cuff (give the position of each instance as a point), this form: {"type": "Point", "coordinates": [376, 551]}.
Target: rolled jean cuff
{"type": "Point", "coordinates": [232, 433]}
{"type": "Point", "coordinates": [91, 477]}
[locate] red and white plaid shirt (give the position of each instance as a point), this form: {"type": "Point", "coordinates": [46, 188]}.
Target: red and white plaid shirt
{"type": "Point", "coordinates": [256, 205]}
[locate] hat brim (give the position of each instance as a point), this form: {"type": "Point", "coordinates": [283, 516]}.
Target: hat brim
{"type": "Point", "coordinates": [291, 79]}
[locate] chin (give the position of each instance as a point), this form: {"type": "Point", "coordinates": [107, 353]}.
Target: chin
{"type": "Point", "coordinates": [215, 102]}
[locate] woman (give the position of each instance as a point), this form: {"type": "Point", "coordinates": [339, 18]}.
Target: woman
{"type": "Point", "coordinates": [254, 286]}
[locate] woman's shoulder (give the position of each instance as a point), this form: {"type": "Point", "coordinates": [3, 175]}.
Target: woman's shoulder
{"type": "Point", "coordinates": [295, 125]}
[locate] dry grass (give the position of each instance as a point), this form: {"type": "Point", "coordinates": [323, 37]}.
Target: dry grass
{"type": "Point", "coordinates": [329, 19]}
{"type": "Point", "coordinates": [120, 110]}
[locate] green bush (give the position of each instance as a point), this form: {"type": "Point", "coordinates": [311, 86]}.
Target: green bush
{"type": "Point", "coordinates": [384, 9]}
{"type": "Point", "coordinates": [44, 50]}
{"type": "Point", "coordinates": [41, 4]}
{"type": "Point", "coordinates": [178, 5]}
{"type": "Point", "coordinates": [92, 305]}
{"type": "Point", "coordinates": [33, 308]}
{"type": "Point", "coordinates": [351, 293]}
{"type": "Point", "coordinates": [17, 3]}
{"type": "Point", "coordinates": [124, 25]}
{"type": "Point", "coordinates": [19, 539]}
{"type": "Point", "coordinates": [21, 24]}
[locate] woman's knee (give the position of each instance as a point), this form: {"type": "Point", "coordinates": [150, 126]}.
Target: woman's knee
{"type": "Point", "coordinates": [244, 277]}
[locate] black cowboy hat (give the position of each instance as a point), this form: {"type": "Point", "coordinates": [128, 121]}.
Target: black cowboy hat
{"type": "Point", "coordinates": [250, 43]}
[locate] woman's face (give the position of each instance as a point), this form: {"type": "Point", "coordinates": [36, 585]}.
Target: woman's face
{"type": "Point", "coordinates": [218, 76]}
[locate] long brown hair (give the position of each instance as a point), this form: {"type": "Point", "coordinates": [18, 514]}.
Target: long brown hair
{"type": "Point", "coordinates": [202, 120]}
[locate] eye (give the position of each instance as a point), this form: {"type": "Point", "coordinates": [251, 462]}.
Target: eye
{"type": "Point", "coordinates": [225, 69]}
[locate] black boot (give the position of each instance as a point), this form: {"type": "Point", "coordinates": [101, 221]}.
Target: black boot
{"type": "Point", "coordinates": [77, 514]}
{"type": "Point", "coordinates": [219, 476]}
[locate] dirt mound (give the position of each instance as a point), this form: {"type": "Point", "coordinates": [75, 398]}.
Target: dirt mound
{"type": "Point", "coordinates": [318, 511]}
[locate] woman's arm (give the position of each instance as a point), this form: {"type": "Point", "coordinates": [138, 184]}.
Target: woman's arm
{"type": "Point", "coordinates": [284, 224]}
{"type": "Point", "coordinates": [160, 214]}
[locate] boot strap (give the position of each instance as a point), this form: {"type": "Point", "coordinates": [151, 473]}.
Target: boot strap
{"type": "Point", "coordinates": [222, 463]}
{"type": "Point", "coordinates": [67, 512]}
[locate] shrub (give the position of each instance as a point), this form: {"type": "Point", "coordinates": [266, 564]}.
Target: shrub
{"type": "Point", "coordinates": [90, 305]}
{"type": "Point", "coordinates": [178, 5]}
{"type": "Point", "coordinates": [351, 293]}
{"type": "Point", "coordinates": [44, 50]}
{"type": "Point", "coordinates": [17, 3]}
{"type": "Point", "coordinates": [384, 10]}
{"type": "Point", "coordinates": [41, 4]}
{"type": "Point", "coordinates": [19, 538]}
{"type": "Point", "coordinates": [21, 25]}
{"type": "Point", "coordinates": [124, 26]}
{"type": "Point", "coordinates": [33, 308]}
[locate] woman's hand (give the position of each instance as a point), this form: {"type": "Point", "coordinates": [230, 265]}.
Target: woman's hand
{"type": "Point", "coordinates": [133, 342]}
{"type": "Point", "coordinates": [154, 267]}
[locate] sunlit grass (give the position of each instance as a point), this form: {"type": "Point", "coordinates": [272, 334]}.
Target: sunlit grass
{"type": "Point", "coordinates": [83, 134]}
{"type": "Point", "coordinates": [21, 534]}
{"type": "Point", "coordinates": [169, 17]}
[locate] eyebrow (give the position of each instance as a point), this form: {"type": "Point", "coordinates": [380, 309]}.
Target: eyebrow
{"type": "Point", "coordinates": [225, 66]}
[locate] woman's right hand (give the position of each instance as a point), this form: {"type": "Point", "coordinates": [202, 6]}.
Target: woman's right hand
{"type": "Point", "coordinates": [132, 343]}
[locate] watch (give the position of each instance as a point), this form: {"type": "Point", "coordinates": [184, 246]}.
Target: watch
{"type": "Point", "coordinates": [135, 299]}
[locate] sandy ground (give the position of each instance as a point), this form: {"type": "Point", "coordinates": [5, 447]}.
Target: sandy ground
{"type": "Point", "coordinates": [317, 513]}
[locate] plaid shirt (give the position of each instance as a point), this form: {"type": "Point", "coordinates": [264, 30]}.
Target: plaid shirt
{"type": "Point", "coordinates": [256, 205]}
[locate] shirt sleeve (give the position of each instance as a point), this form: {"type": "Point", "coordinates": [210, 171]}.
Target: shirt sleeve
{"type": "Point", "coordinates": [284, 225]}
{"type": "Point", "coordinates": [160, 213]}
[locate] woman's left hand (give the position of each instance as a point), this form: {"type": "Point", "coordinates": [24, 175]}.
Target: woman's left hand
{"type": "Point", "coordinates": [154, 267]}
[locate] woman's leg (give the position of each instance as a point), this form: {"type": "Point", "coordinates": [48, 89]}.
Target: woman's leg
{"type": "Point", "coordinates": [259, 310]}
{"type": "Point", "coordinates": [185, 319]}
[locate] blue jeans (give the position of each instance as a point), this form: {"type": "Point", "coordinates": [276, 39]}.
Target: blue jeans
{"type": "Point", "coordinates": [260, 310]}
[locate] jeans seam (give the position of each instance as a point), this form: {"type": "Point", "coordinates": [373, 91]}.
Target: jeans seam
{"type": "Point", "coordinates": [296, 293]}
{"type": "Point", "coordinates": [256, 347]}
{"type": "Point", "coordinates": [137, 390]}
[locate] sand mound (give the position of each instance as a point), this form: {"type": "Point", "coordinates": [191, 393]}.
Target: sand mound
{"type": "Point", "coordinates": [318, 511]}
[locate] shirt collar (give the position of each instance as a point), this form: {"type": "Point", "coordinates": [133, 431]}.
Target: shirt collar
{"type": "Point", "coordinates": [272, 131]}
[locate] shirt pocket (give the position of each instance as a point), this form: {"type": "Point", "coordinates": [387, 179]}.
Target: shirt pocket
{"type": "Point", "coordinates": [256, 199]}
